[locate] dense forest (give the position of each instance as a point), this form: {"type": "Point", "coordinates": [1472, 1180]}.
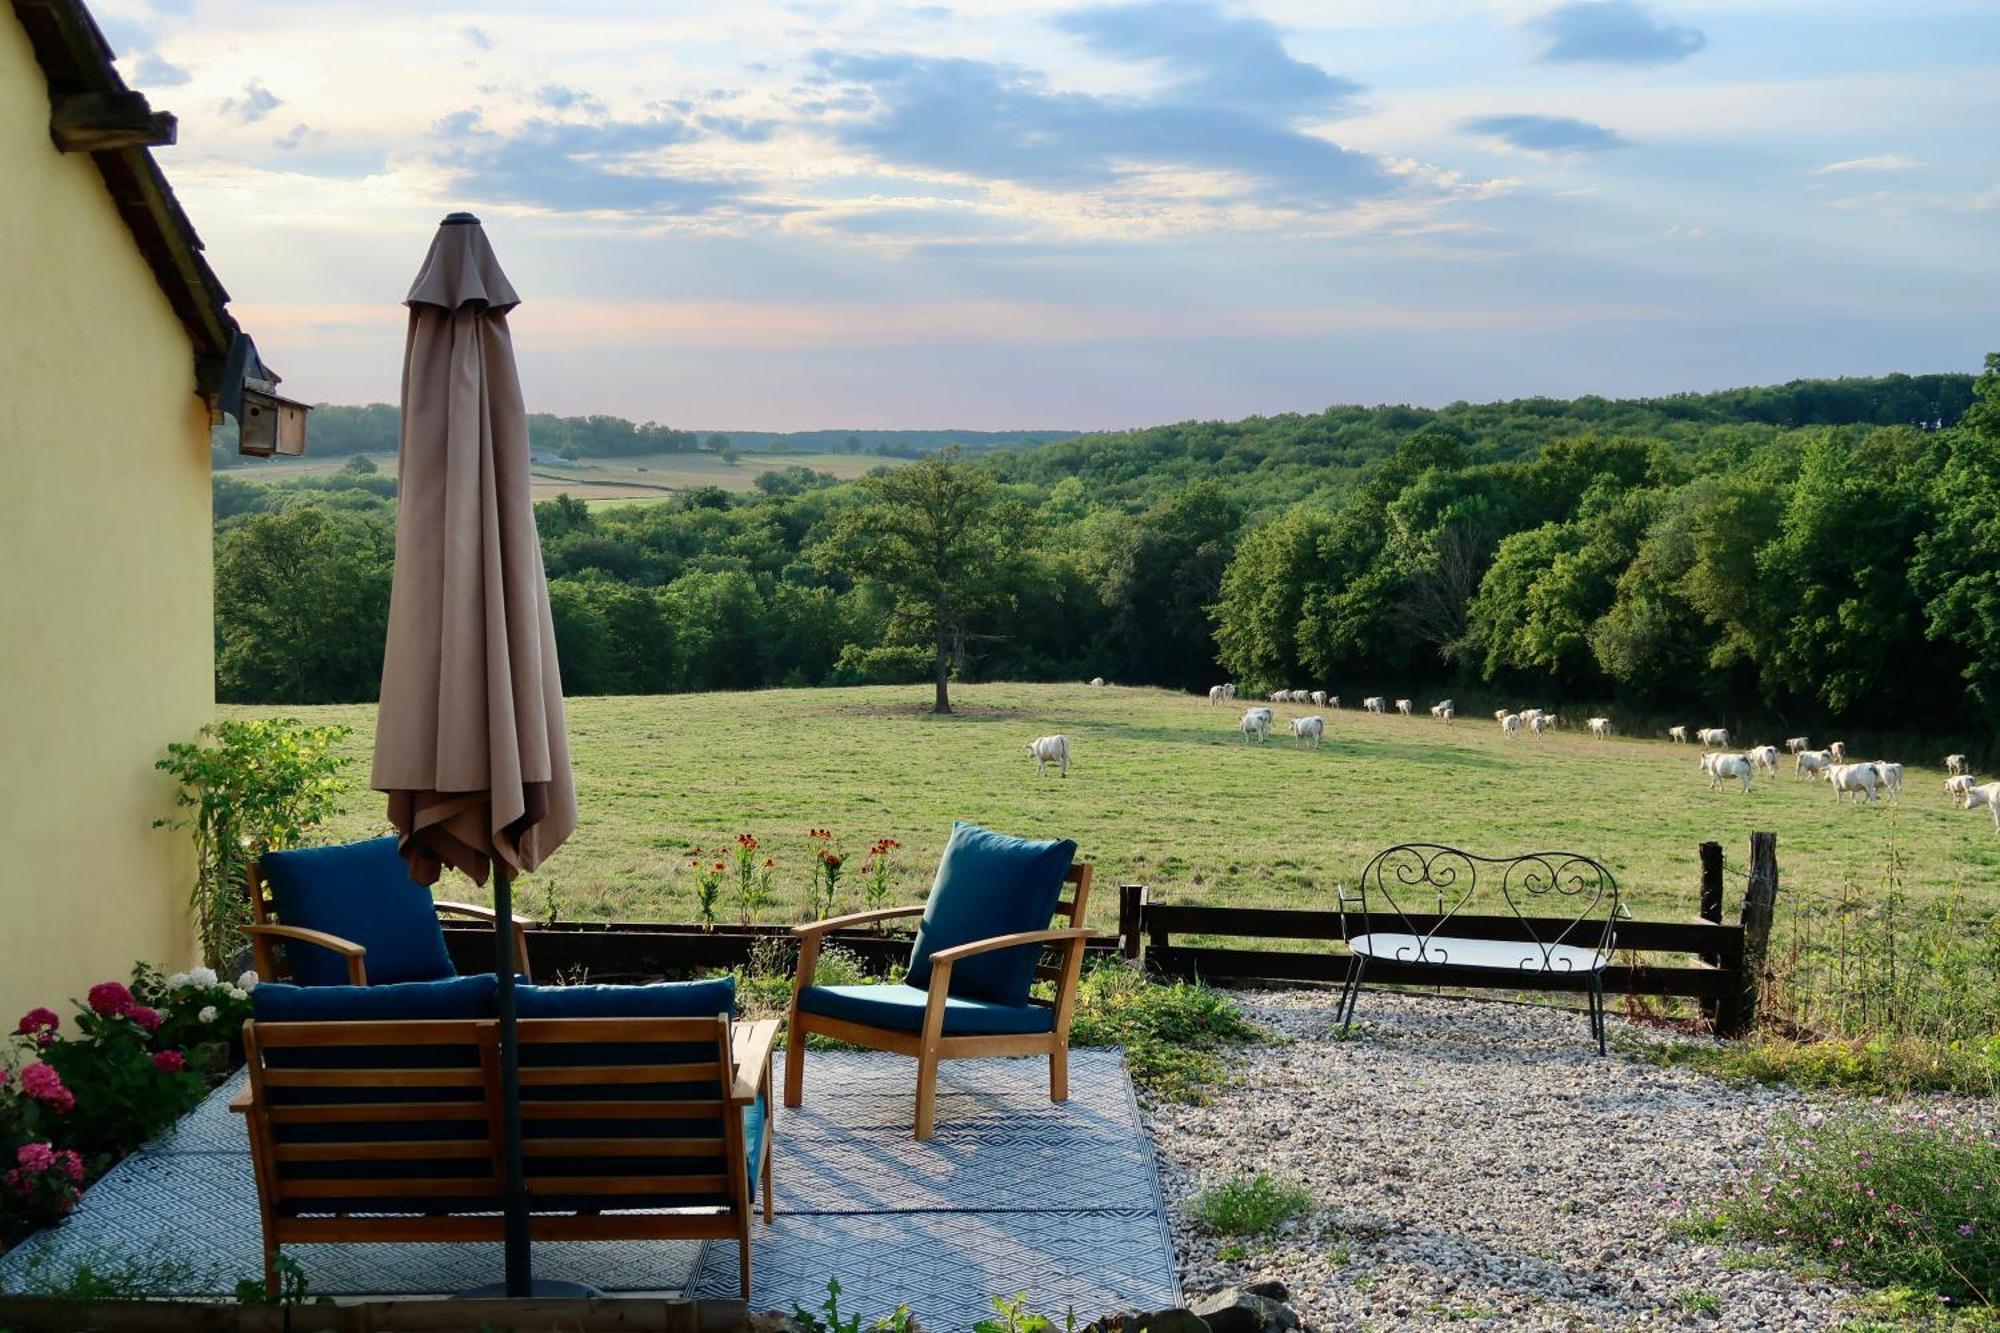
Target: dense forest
{"type": "Point", "coordinates": [1821, 547]}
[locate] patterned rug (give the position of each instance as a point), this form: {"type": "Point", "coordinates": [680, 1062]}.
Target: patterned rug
{"type": "Point", "coordinates": [1013, 1194]}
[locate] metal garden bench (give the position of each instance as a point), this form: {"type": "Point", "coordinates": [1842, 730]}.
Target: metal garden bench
{"type": "Point", "coordinates": [1557, 931]}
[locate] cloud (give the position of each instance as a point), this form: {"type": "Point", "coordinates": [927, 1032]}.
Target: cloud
{"type": "Point", "coordinates": [256, 103]}
{"type": "Point", "coordinates": [292, 137]}
{"type": "Point", "coordinates": [1620, 32]}
{"type": "Point", "coordinates": [155, 71]}
{"type": "Point", "coordinates": [478, 37]}
{"type": "Point", "coordinates": [559, 98]}
{"type": "Point", "coordinates": [1886, 162]}
{"type": "Point", "coordinates": [1003, 123]}
{"type": "Point", "coordinates": [1545, 134]}
{"type": "Point", "coordinates": [1214, 58]}
{"type": "Point", "coordinates": [596, 165]}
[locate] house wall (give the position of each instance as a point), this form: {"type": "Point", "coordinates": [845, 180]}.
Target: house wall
{"type": "Point", "coordinates": [106, 587]}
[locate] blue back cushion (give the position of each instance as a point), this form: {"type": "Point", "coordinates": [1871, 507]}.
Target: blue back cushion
{"type": "Point", "coordinates": [989, 884]}
{"type": "Point", "coordinates": [453, 997]}
{"type": "Point", "coordinates": [666, 999]}
{"type": "Point", "coordinates": [360, 891]}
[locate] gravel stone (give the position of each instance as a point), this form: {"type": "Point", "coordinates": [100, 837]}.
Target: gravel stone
{"type": "Point", "coordinates": [1476, 1165]}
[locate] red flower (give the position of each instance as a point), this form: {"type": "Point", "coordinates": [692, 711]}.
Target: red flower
{"type": "Point", "coordinates": [832, 859]}
{"type": "Point", "coordinates": [71, 1164]}
{"type": "Point", "coordinates": [172, 1062]}
{"type": "Point", "coordinates": [769, 863]}
{"type": "Point", "coordinates": [44, 1084]}
{"type": "Point", "coordinates": [36, 1157]}
{"type": "Point", "coordinates": [721, 865]}
{"type": "Point", "coordinates": [145, 1016]}
{"type": "Point", "coordinates": [110, 998]}
{"type": "Point", "coordinates": [40, 1024]}
{"type": "Point", "coordinates": [748, 842]}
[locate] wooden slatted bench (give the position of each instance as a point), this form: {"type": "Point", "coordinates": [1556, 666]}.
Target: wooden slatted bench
{"type": "Point", "coordinates": [389, 1130]}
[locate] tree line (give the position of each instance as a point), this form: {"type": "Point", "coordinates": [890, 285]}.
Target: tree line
{"type": "Point", "coordinates": [1826, 546]}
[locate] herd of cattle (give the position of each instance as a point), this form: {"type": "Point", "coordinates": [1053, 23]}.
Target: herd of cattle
{"type": "Point", "coordinates": [1867, 780]}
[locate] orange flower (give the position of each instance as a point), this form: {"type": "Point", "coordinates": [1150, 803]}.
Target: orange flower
{"type": "Point", "coordinates": [721, 865]}
{"type": "Point", "coordinates": [769, 863]}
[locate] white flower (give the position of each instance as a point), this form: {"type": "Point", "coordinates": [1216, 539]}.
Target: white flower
{"type": "Point", "coordinates": [248, 981]}
{"type": "Point", "coordinates": [178, 981]}
{"type": "Point", "coordinates": [202, 976]}
{"type": "Point", "coordinates": [237, 992]}
{"type": "Point", "coordinates": [207, 1014]}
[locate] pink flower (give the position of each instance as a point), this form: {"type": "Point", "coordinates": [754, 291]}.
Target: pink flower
{"type": "Point", "coordinates": [110, 998]}
{"type": "Point", "coordinates": [44, 1084]}
{"type": "Point", "coordinates": [35, 1157]}
{"type": "Point", "coordinates": [72, 1165]}
{"type": "Point", "coordinates": [145, 1016]}
{"type": "Point", "coordinates": [173, 1062]}
{"type": "Point", "coordinates": [40, 1024]}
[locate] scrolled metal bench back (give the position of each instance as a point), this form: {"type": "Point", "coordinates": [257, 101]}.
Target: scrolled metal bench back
{"type": "Point", "coordinates": [1557, 898]}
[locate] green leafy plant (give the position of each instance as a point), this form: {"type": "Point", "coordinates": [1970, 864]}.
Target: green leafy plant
{"type": "Point", "coordinates": [764, 985]}
{"type": "Point", "coordinates": [246, 787]}
{"type": "Point", "coordinates": [708, 876]}
{"type": "Point", "coordinates": [201, 1015]}
{"type": "Point", "coordinates": [1251, 1205]}
{"type": "Point", "coordinates": [828, 1319]}
{"type": "Point", "coordinates": [118, 1085]}
{"type": "Point", "coordinates": [753, 881]}
{"type": "Point", "coordinates": [1175, 1034]}
{"type": "Point", "coordinates": [1904, 1200]}
{"type": "Point", "coordinates": [1012, 1315]}
{"type": "Point", "coordinates": [293, 1288]}
{"type": "Point", "coordinates": [875, 874]}
{"type": "Point", "coordinates": [826, 869]}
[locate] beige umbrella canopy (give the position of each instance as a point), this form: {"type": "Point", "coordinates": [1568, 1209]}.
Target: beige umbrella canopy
{"type": "Point", "coordinates": [470, 744]}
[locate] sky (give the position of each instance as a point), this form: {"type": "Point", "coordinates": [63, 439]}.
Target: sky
{"type": "Point", "coordinates": [1010, 214]}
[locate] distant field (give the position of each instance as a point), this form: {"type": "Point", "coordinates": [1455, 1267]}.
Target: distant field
{"type": "Point", "coordinates": [1164, 792]}
{"type": "Point", "coordinates": [601, 481]}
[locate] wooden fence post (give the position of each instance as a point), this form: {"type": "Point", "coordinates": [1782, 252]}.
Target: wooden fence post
{"type": "Point", "coordinates": [1760, 901]}
{"type": "Point", "coordinates": [1711, 910]}
{"type": "Point", "coordinates": [1131, 916]}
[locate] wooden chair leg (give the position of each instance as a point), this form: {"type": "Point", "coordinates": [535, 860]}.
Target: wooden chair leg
{"type": "Point", "coordinates": [743, 1255]}
{"type": "Point", "coordinates": [1059, 1072]}
{"type": "Point", "coordinates": [795, 1062]}
{"type": "Point", "coordinates": [271, 1271]}
{"type": "Point", "coordinates": [765, 1168]}
{"type": "Point", "coordinates": [927, 1072]}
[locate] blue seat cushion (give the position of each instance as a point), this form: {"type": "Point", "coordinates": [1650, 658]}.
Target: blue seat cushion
{"type": "Point", "coordinates": [665, 999]}
{"type": "Point", "coordinates": [451, 997]}
{"type": "Point", "coordinates": [902, 1007]}
{"type": "Point", "coordinates": [989, 884]}
{"type": "Point", "coordinates": [360, 891]}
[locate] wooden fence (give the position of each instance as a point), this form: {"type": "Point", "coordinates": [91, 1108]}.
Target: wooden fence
{"type": "Point", "coordinates": [1720, 965]}
{"type": "Point", "coordinates": [23, 1314]}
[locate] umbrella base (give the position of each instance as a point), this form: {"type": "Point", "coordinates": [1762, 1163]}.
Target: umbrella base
{"type": "Point", "coordinates": [538, 1290]}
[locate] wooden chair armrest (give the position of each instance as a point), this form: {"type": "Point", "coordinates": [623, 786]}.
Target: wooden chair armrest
{"type": "Point", "coordinates": [479, 912]}
{"type": "Point", "coordinates": [814, 928]}
{"type": "Point", "coordinates": [752, 1044]}
{"type": "Point", "coordinates": [357, 974]}
{"type": "Point", "coordinates": [1015, 941]}
{"type": "Point", "coordinates": [245, 1097]}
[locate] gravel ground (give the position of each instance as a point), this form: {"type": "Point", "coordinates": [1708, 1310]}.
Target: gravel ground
{"type": "Point", "coordinates": [1476, 1165]}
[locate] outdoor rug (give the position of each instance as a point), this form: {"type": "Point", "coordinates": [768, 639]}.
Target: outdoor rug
{"type": "Point", "coordinates": [1014, 1194]}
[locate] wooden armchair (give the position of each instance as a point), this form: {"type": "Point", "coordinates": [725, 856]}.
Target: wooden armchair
{"type": "Point", "coordinates": [937, 1021]}
{"type": "Point", "coordinates": [338, 902]}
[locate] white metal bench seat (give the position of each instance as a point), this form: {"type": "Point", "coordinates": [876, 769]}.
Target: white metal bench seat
{"type": "Point", "coordinates": [1425, 912]}
{"type": "Point", "coordinates": [1495, 955]}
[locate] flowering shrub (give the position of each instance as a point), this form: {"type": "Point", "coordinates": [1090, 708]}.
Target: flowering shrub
{"type": "Point", "coordinates": [753, 882]}
{"type": "Point", "coordinates": [40, 1187]}
{"type": "Point", "coordinates": [825, 872]}
{"type": "Point", "coordinates": [875, 873]}
{"type": "Point", "coordinates": [201, 1015]}
{"type": "Point", "coordinates": [708, 876]}
{"type": "Point", "coordinates": [1910, 1199]}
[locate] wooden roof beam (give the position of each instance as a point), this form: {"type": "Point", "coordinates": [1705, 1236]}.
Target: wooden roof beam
{"type": "Point", "coordinates": [96, 122]}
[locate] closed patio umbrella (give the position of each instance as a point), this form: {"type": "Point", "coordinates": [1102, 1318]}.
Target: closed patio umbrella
{"type": "Point", "coordinates": [470, 743]}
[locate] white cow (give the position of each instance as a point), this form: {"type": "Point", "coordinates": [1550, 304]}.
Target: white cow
{"type": "Point", "coordinates": [1555, 722]}
{"type": "Point", "coordinates": [1892, 776]}
{"type": "Point", "coordinates": [1985, 793]}
{"type": "Point", "coordinates": [1309, 729]}
{"type": "Point", "coordinates": [1765, 757]}
{"type": "Point", "coordinates": [1794, 744]}
{"type": "Point", "coordinates": [1375, 703]}
{"type": "Point", "coordinates": [1256, 722]}
{"type": "Point", "coordinates": [1279, 696]}
{"type": "Point", "coordinates": [1678, 735]}
{"type": "Point", "coordinates": [1510, 725]}
{"type": "Point", "coordinates": [1854, 779]}
{"type": "Point", "coordinates": [1600, 727]}
{"type": "Point", "coordinates": [1046, 750]}
{"type": "Point", "coordinates": [1839, 751]}
{"type": "Point", "coordinates": [1716, 736]}
{"type": "Point", "coordinates": [1955, 765]}
{"type": "Point", "coordinates": [1499, 714]}
{"type": "Point", "coordinates": [1957, 785]}
{"type": "Point", "coordinates": [1539, 723]}
{"type": "Point", "coordinates": [1097, 680]}
{"type": "Point", "coordinates": [1810, 763]}
{"type": "Point", "coordinates": [1446, 714]}
{"type": "Point", "coordinates": [1217, 694]}
{"type": "Point", "coordinates": [1403, 706]}
{"type": "Point", "coordinates": [1721, 766]}
{"type": "Point", "coordinates": [1319, 698]}
{"type": "Point", "coordinates": [1333, 701]}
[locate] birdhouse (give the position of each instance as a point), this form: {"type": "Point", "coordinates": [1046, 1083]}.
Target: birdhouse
{"type": "Point", "coordinates": [270, 423]}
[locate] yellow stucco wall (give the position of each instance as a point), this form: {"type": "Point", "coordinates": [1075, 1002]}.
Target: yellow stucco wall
{"type": "Point", "coordinates": [106, 590]}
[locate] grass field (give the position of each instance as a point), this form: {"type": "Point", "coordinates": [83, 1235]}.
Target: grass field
{"type": "Point", "coordinates": [1163, 791]}
{"type": "Point", "coordinates": [608, 481]}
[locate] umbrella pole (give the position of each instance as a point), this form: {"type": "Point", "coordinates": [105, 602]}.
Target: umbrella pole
{"type": "Point", "coordinates": [520, 1277]}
